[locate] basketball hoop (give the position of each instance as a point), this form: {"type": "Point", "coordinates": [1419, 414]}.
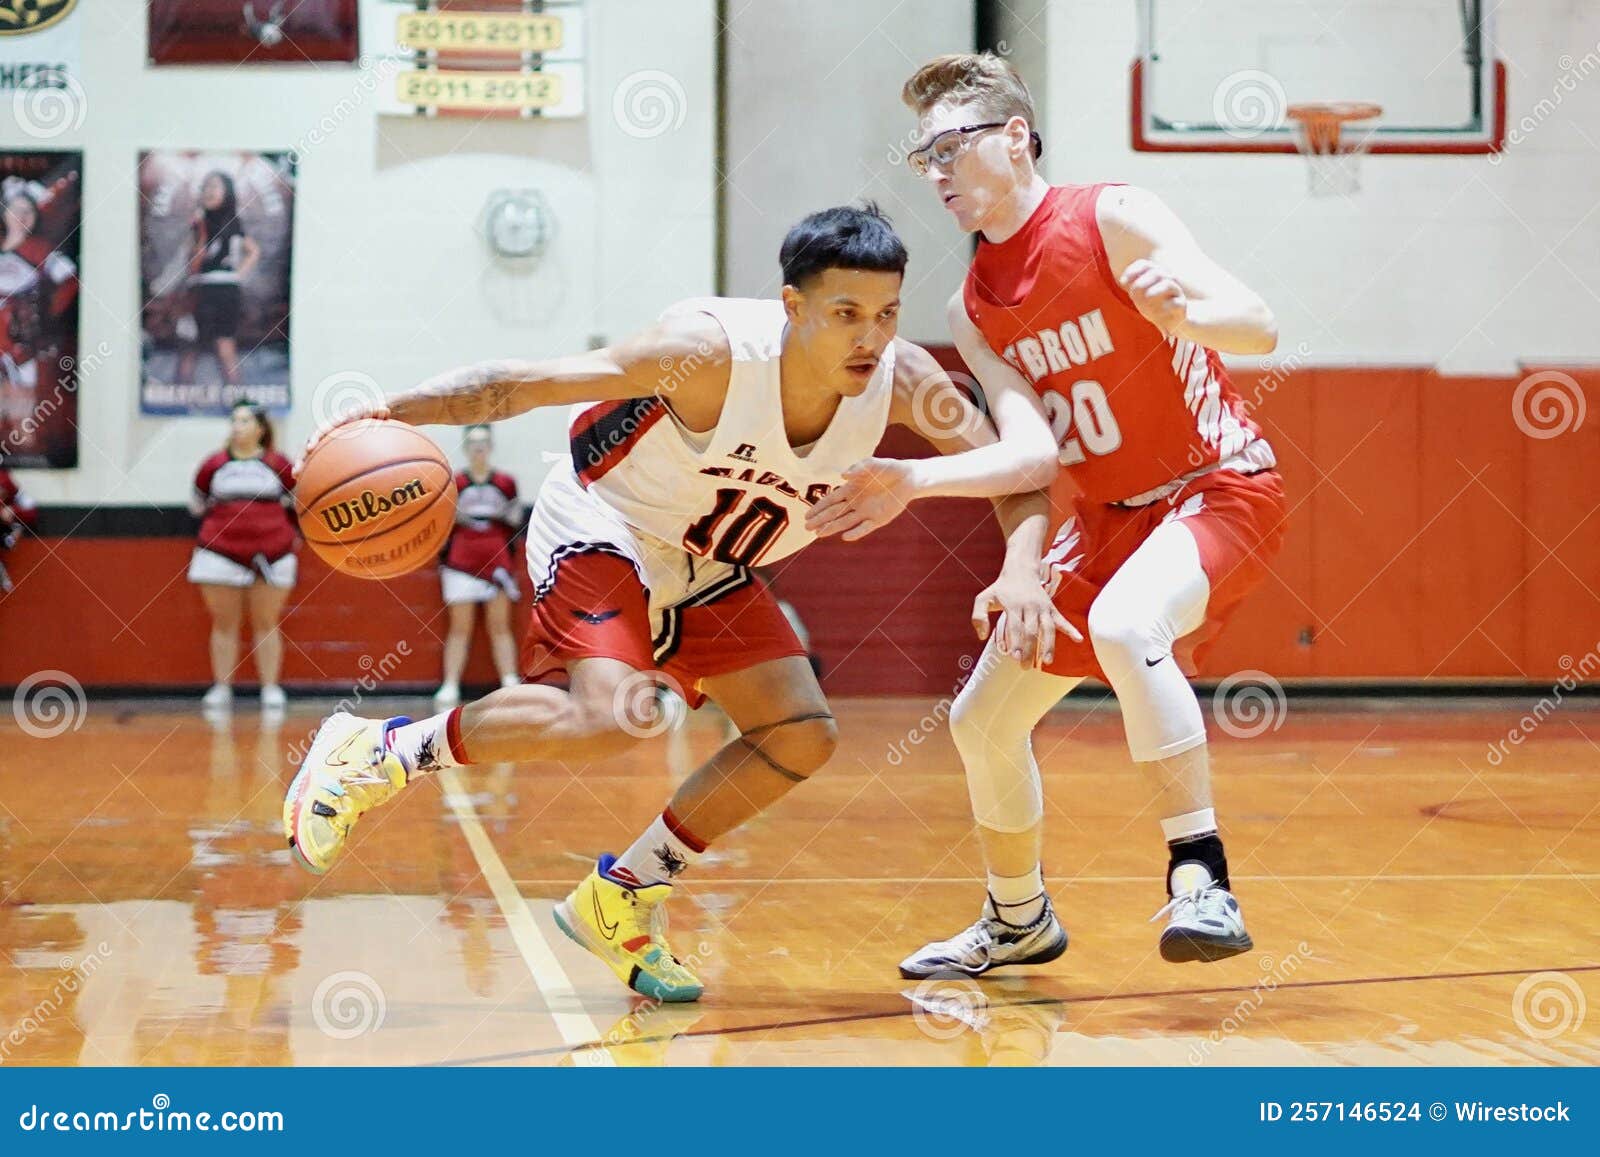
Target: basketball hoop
{"type": "Point", "coordinates": [1333, 159]}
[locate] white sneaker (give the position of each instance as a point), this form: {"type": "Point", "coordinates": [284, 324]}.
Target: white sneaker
{"type": "Point", "coordinates": [1205, 923]}
{"type": "Point", "coordinates": [219, 698]}
{"type": "Point", "coordinates": [273, 698]}
{"type": "Point", "coordinates": [989, 943]}
{"type": "Point", "coordinates": [447, 696]}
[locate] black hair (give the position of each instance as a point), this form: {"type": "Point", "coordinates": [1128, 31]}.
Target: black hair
{"type": "Point", "coordinates": [217, 219]}
{"type": "Point", "coordinates": [844, 237]}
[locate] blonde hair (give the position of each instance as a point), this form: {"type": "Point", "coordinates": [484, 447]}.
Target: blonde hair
{"type": "Point", "coordinates": [979, 77]}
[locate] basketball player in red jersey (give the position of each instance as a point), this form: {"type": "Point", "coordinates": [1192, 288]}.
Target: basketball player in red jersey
{"type": "Point", "coordinates": [696, 449]}
{"type": "Point", "coordinates": [1168, 507]}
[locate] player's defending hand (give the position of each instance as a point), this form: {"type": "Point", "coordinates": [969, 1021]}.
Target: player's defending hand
{"type": "Point", "coordinates": [354, 413]}
{"type": "Point", "coordinates": [1028, 619]}
{"type": "Point", "coordinates": [1156, 294]}
{"type": "Point", "coordinates": [875, 492]}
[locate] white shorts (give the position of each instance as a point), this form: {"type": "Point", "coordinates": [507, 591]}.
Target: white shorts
{"type": "Point", "coordinates": [461, 587]}
{"type": "Point", "coordinates": [568, 519]}
{"type": "Point", "coordinates": [209, 568]}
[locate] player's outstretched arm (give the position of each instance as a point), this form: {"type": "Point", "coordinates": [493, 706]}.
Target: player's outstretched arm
{"type": "Point", "coordinates": [1172, 282]}
{"type": "Point", "coordinates": [1021, 459]}
{"type": "Point", "coordinates": [681, 357]}
{"type": "Point", "coordinates": [974, 462]}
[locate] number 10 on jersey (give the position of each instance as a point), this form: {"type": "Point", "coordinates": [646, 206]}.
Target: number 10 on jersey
{"type": "Point", "coordinates": [739, 539]}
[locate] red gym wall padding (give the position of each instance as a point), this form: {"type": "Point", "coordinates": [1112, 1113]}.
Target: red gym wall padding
{"type": "Point", "coordinates": [1430, 538]}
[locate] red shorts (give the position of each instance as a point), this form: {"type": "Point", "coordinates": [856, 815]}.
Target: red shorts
{"type": "Point", "coordinates": [597, 608]}
{"type": "Point", "coordinates": [1237, 520]}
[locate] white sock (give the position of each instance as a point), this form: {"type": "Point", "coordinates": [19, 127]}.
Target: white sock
{"type": "Point", "coordinates": [1189, 825]}
{"type": "Point", "coordinates": [425, 747]}
{"type": "Point", "coordinates": [658, 856]}
{"type": "Point", "coordinates": [1018, 900]}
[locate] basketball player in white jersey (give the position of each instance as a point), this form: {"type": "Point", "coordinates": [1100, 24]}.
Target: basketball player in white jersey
{"type": "Point", "coordinates": [697, 449]}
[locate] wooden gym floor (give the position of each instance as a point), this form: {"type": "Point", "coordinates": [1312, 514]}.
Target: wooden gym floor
{"type": "Point", "coordinates": [1412, 902]}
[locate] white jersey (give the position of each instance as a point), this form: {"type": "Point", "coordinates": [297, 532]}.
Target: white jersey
{"type": "Point", "coordinates": [737, 494]}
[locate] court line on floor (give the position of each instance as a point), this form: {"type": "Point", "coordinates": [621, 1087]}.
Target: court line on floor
{"type": "Point", "coordinates": [572, 1021]}
{"type": "Point", "coordinates": [1040, 1002]}
{"type": "Point", "coordinates": [709, 881]}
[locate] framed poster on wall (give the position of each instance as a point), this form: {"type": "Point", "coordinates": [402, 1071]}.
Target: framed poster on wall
{"type": "Point", "coordinates": [216, 231]}
{"type": "Point", "coordinates": [253, 31]}
{"type": "Point", "coordinates": [41, 193]}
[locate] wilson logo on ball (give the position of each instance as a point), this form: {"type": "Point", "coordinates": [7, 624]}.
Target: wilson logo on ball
{"type": "Point", "coordinates": [367, 505]}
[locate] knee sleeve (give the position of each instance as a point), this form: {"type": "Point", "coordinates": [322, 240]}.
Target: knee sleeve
{"type": "Point", "coordinates": [991, 723]}
{"type": "Point", "coordinates": [1158, 597]}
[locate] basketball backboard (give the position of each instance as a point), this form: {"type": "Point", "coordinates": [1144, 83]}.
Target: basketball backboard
{"type": "Point", "coordinates": [1219, 75]}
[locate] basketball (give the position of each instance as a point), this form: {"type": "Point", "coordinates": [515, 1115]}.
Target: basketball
{"type": "Point", "coordinates": [376, 499]}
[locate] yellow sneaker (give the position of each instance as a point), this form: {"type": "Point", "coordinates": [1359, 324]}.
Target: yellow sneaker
{"type": "Point", "coordinates": [348, 771]}
{"type": "Point", "coordinates": [627, 928]}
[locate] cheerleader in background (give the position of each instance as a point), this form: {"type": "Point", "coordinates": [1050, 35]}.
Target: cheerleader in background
{"type": "Point", "coordinates": [17, 513]}
{"type": "Point", "coordinates": [245, 559]}
{"type": "Point", "coordinates": [476, 565]}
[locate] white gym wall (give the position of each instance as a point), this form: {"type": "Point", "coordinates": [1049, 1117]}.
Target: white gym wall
{"type": "Point", "coordinates": [391, 278]}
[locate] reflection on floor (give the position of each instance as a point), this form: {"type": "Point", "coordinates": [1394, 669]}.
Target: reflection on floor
{"type": "Point", "coordinates": [1412, 901]}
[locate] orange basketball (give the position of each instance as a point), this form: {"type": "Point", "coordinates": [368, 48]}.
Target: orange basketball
{"type": "Point", "coordinates": [377, 499]}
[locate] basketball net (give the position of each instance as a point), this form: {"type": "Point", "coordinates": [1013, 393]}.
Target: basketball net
{"type": "Point", "coordinates": [1333, 156]}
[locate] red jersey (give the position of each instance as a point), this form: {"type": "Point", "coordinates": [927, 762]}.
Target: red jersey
{"type": "Point", "coordinates": [1131, 408]}
{"type": "Point", "coordinates": [16, 508]}
{"type": "Point", "coordinates": [487, 514]}
{"type": "Point", "coordinates": [243, 506]}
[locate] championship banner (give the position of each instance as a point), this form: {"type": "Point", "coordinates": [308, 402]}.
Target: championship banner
{"type": "Point", "coordinates": [477, 58]}
{"type": "Point", "coordinates": [42, 195]}
{"type": "Point", "coordinates": [41, 54]}
{"type": "Point", "coordinates": [252, 31]}
{"type": "Point", "coordinates": [216, 232]}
